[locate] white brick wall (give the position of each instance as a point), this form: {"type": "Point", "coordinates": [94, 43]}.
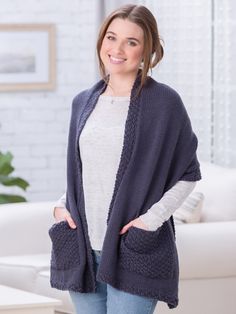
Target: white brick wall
{"type": "Point", "coordinates": [34, 125]}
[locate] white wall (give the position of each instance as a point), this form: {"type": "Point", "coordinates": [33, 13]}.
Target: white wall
{"type": "Point", "coordinates": [225, 83]}
{"type": "Point", "coordinates": [34, 125]}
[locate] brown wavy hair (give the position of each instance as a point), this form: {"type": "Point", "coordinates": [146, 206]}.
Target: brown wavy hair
{"type": "Point", "coordinates": [153, 50]}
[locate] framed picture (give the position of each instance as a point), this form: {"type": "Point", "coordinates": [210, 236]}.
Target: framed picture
{"type": "Point", "coordinates": [27, 57]}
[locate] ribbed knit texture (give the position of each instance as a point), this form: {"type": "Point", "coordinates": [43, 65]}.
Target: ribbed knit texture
{"type": "Point", "coordinates": [159, 149]}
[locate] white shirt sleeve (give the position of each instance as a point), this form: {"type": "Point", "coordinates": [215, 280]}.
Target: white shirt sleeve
{"type": "Point", "coordinates": [61, 202]}
{"type": "Point", "coordinates": [165, 207]}
{"type": "Point", "coordinates": [160, 211]}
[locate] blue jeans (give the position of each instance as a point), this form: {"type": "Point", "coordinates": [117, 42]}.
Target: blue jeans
{"type": "Point", "coordinates": [108, 300]}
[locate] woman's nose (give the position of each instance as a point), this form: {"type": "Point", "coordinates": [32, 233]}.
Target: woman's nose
{"type": "Point", "coordinates": [118, 47]}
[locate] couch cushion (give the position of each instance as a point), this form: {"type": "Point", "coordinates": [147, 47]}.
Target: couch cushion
{"type": "Point", "coordinates": [207, 250]}
{"type": "Point", "coordinates": [218, 185]}
{"type": "Point", "coordinates": [24, 228]}
{"type": "Point", "coordinates": [21, 271]}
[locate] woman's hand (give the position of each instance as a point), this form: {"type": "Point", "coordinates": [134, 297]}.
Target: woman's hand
{"type": "Point", "coordinates": [61, 214]}
{"type": "Point", "coordinates": [136, 223]}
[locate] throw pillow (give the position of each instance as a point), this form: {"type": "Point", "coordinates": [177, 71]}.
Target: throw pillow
{"type": "Point", "coordinates": [218, 185]}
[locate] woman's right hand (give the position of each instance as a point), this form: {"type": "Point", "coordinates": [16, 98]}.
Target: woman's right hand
{"type": "Point", "coordinates": [61, 214]}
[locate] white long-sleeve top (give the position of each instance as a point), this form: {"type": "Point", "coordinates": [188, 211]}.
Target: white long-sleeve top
{"type": "Point", "coordinates": [100, 147]}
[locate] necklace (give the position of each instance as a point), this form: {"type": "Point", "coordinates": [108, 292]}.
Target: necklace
{"type": "Point", "coordinates": [114, 99]}
{"type": "Point", "coordinates": [110, 92]}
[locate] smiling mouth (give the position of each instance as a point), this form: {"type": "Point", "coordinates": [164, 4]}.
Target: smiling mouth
{"type": "Point", "coordinates": [116, 60]}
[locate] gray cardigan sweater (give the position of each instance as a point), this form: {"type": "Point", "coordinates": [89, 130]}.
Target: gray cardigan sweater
{"type": "Point", "coordinates": [159, 149]}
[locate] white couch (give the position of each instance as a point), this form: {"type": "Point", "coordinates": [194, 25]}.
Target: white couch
{"type": "Point", "coordinates": [207, 250]}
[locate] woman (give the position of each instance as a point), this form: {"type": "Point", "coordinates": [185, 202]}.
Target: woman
{"type": "Point", "coordinates": [131, 162]}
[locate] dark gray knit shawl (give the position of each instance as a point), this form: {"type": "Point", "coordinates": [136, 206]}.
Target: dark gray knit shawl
{"type": "Point", "coordinates": [159, 149]}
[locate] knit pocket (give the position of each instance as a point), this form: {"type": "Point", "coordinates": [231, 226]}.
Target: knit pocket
{"type": "Point", "coordinates": [148, 253]}
{"type": "Point", "coordinates": [65, 247]}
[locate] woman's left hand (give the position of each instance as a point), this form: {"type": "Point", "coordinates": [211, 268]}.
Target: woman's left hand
{"type": "Point", "coordinates": [136, 223]}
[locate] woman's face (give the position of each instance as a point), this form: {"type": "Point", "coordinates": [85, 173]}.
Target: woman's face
{"type": "Point", "coordinates": [122, 47]}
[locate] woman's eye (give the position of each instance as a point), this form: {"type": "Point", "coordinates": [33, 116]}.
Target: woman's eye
{"type": "Point", "coordinates": [132, 43]}
{"type": "Point", "coordinates": [110, 37]}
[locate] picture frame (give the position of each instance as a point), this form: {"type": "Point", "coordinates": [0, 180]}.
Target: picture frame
{"type": "Point", "coordinates": [27, 57]}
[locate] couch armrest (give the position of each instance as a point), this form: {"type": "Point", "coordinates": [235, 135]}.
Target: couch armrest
{"type": "Point", "coordinates": [24, 228]}
{"type": "Point", "coordinates": [207, 250]}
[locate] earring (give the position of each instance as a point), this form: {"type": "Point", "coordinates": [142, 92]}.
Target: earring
{"type": "Point", "coordinates": [141, 65]}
